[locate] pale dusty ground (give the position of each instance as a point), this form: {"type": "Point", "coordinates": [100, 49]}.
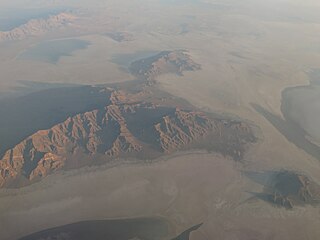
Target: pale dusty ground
{"type": "Point", "coordinates": [187, 189]}
{"type": "Point", "coordinates": [249, 53]}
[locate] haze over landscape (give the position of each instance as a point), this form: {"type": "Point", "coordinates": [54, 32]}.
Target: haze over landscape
{"type": "Point", "coordinates": [159, 119]}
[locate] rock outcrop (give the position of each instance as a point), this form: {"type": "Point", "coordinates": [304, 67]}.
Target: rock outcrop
{"type": "Point", "coordinates": [175, 62]}
{"type": "Point", "coordinates": [120, 36]}
{"type": "Point", "coordinates": [37, 27]}
{"type": "Point", "coordinates": [286, 188]}
{"type": "Point", "coordinates": [289, 189]}
{"type": "Point", "coordinates": [127, 127]}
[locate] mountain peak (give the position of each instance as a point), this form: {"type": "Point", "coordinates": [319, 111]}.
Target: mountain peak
{"type": "Point", "coordinates": [131, 125]}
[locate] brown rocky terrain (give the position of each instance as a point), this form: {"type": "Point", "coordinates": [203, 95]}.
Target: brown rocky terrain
{"type": "Point", "coordinates": [289, 189]}
{"type": "Point", "coordinates": [36, 27]}
{"type": "Point", "coordinates": [133, 124]}
{"type": "Point", "coordinates": [175, 62]}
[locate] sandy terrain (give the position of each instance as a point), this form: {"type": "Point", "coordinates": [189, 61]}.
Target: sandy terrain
{"type": "Point", "coordinates": [249, 53]}
{"type": "Point", "coordinates": [187, 189]}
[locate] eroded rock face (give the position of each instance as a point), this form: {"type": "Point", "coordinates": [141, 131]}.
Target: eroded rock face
{"type": "Point", "coordinates": [36, 27]}
{"type": "Point", "coordinates": [127, 127]}
{"type": "Point", "coordinates": [287, 189]}
{"type": "Point", "coordinates": [290, 189]}
{"type": "Point", "coordinates": [165, 62]}
{"type": "Point", "coordinates": [180, 129]}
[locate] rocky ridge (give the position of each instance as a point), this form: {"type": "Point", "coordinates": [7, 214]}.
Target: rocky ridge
{"type": "Point", "coordinates": [127, 127]}
{"type": "Point", "coordinates": [37, 27]}
{"type": "Point", "coordinates": [176, 61]}
{"type": "Point", "coordinates": [289, 189]}
{"type": "Point", "coordinates": [137, 121]}
{"type": "Point", "coordinates": [286, 188]}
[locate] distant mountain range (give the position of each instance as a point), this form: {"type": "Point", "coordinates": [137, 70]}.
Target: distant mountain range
{"type": "Point", "coordinates": [35, 27]}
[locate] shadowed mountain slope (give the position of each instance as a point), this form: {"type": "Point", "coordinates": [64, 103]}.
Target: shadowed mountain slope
{"type": "Point", "coordinates": [287, 189]}
{"type": "Point", "coordinates": [175, 62]}
{"type": "Point", "coordinates": [134, 125]}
